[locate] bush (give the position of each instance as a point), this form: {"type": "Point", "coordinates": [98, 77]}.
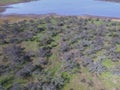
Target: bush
{"type": "Point", "coordinates": [44, 52]}
{"type": "Point", "coordinates": [26, 71]}
{"type": "Point", "coordinates": [15, 54]}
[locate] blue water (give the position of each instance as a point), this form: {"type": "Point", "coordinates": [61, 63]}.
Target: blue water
{"type": "Point", "coordinates": [66, 7]}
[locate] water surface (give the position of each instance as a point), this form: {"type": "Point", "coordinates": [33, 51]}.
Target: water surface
{"type": "Point", "coordinates": [66, 7]}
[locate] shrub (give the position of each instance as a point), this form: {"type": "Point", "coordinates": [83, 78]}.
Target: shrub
{"type": "Point", "coordinates": [15, 54]}
{"type": "Point", "coordinates": [44, 52]}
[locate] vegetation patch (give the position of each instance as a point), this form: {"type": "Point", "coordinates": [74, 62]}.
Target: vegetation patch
{"type": "Point", "coordinates": [60, 53]}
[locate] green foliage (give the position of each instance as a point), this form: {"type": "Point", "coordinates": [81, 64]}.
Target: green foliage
{"type": "Point", "coordinates": [6, 81]}
{"type": "Point", "coordinates": [59, 52]}
{"type": "Point", "coordinates": [66, 76]}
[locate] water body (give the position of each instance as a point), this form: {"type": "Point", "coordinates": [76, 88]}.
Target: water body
{"type": "Point", "coordinates": [66, 7]}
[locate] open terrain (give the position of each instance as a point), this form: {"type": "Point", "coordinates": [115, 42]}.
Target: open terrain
{"type": "Point", "coordinates": [60, 53]}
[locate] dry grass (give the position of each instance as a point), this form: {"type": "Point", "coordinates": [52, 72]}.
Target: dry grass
{"type": "Point", "coordinates": [16, 18]}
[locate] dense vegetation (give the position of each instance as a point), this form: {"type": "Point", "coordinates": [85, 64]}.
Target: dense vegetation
{"type": "Point", "coordinates": [60, 53]}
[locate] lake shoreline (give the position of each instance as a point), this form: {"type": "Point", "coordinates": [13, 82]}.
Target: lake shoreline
{"type": "Point", "coordinates": [2, 9]}
{"type": "Point", "coordinates": [56, 15]}
{"type": "Point", "coordinates": [110, 1]}
{"type": "Point", "coordinates": [10, 3]}
{"type": "Point", "coordinates": [22, 17]}
{"type": "Point", "coordinates": [4, 6]}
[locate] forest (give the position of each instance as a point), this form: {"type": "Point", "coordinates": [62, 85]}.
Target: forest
{"type": "Point", "coordinates": [60, 53]}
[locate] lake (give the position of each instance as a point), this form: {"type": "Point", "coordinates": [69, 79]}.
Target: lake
{"type": "Point", "coordinates": [66, 7]}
